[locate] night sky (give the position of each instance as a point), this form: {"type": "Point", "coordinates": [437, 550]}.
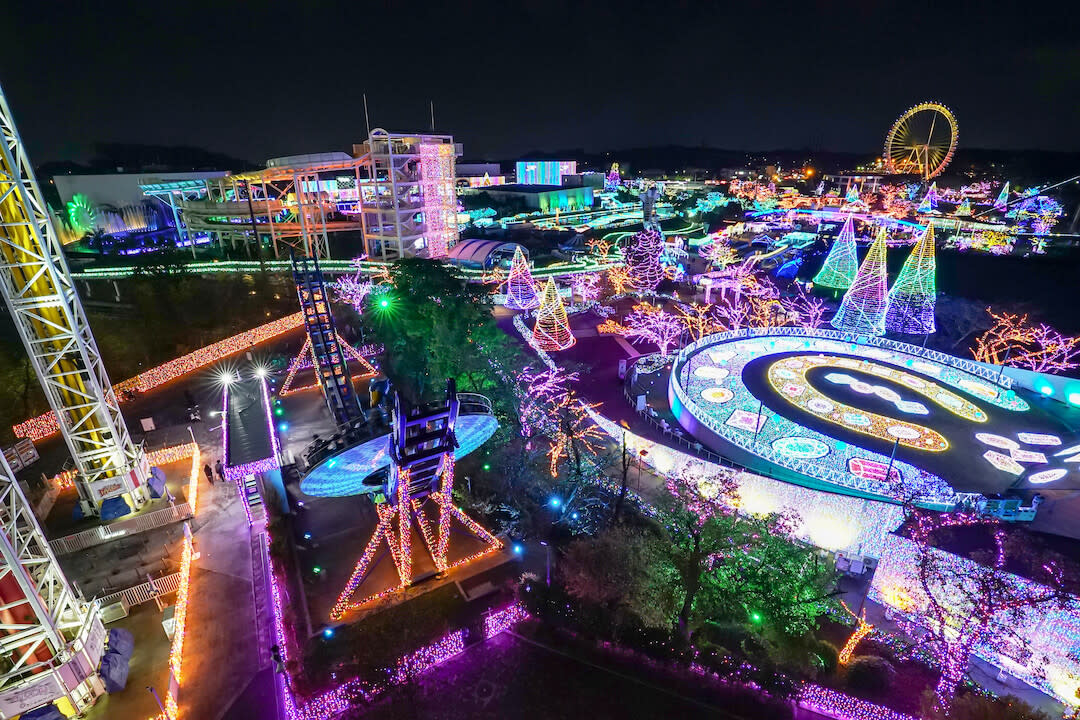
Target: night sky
{"type": "Point", "coordinates": [257, 79]}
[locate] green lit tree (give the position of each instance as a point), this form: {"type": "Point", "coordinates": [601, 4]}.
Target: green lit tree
{"type": "Point", "coordinates": [624, 570]}
{"type": "Point", "coordinates": [841, 263]}
{"type": "Point", "coordinates": [765, 577]}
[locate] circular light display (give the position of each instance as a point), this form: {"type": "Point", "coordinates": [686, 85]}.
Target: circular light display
{"type": "Point", "coordinates": [717, 394]}
{"type": "Point", "coordinates": [784, 442]}
{"type": "Point", "coordinates": [800, 447]}
{"type": "Point", "coordinates": [812, 400]}
{"type": "Point", "coordinates": [344, 474]}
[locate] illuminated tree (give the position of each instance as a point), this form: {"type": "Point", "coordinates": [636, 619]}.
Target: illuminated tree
{"type": "Point", "coordinates": [642, 256]}
{"type": "Point", "coordinates": [599, 247]}
{"type": "Point", "coordinates": [863, 308]}
{"type": "Point", "coordinates": [652, 323]}
{"type": "Point", "coordinates": [913, 296]}
{"type": "Point", "coordinates": [841, 263]}
{"type": "Point", "coordinates": [700, 493]}
{"type": "Point", "coordinates": [965, 209]}
{"type": "Point", "coordinates": [1014, 340]}
{"type": "Point", "coordinates": [862, 629]}
{"type": "Point", "coordinates": [547, 407]}
{"type": "Point", "coordinates": [852, 193]}
{"type": "Point", "coordinates": [613, 181]}
{"type": "Point", "coordinates": [719, 253]}
{"type": "Point", "coordinates": [520, 286]}
{"type": "Point", "coordinates": [353, 290]}
{"type": "Point", "coordinates": [961, 605]}
{"type": "Point", "coordinates": [586, 286]}
{"type": "Point", "coordinates": [804, 310]}
{"type": "Point", "coordinates": [618, 277]}
{"type": "Point", "coordinates": [552, 329]}
{"type": "Point", "coordinates": [698, 320]}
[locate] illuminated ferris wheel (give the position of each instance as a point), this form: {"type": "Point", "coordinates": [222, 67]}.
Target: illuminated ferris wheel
{"type": "Point", "coordinates": [922, 141]}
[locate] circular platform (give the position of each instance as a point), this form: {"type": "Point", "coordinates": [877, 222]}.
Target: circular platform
{"type": "Point", "coordinates": [813, 407]}
{"type": "Point", "coordinates": [344, 474]}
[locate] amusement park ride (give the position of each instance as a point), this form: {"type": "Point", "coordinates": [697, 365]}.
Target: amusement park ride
{"type": "Point", "coordinates": [397, 189]}
{"type": "Point", "coordinates": [922, 141]}
{"type": "Point", "coordinates": [416, 504]}
{"type": "Point", "coordinates": [50, 641]}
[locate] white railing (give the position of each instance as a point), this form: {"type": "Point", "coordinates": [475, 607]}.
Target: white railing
{"type": "Point", "coordinates": [106, 533]}
{"type": "Point", "coordinates": [146, 592]}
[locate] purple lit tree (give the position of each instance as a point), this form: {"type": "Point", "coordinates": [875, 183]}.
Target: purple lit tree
{"type": "Point", "coordinates": [653, 324]}
{"type": "Point", "coordinates": [963, 605]}
{"type": "Point", "coordinates": [642, 257]}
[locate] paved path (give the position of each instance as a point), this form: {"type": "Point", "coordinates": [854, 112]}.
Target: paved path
{"type": "Point", "coordinates": [224, 656]}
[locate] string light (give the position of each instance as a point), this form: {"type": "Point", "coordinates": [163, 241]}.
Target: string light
{"type": "Point", "coordinates": [841, 264]}
{"type": "Point", "coordinates": [520, 286]}
{"type": "Point", "coordinates": [439, 197]}
{"type": "Point", "coordinates": [913, 296]}
{"type": "Point", "coordinates": [642, 256]}
{"type": "Point", "coordinates": [45, 425]}
{"type": "Point", "coordinates": [305, 360]}
{"type": "Point", "coordinates": [552, 328]}
{"type": "Point", "coordinates": [862, 310]}
{"type": "Point", "coordinates": [834, 703]}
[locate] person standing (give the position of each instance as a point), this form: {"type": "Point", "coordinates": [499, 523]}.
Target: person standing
{"type": "Point", "coordinates": [220, 470]}
{"type": "Point", "coordinates": [209, 472]}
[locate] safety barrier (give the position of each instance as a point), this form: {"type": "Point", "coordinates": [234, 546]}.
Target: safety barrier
{"type": "Point", "coordinates": [106, 533]}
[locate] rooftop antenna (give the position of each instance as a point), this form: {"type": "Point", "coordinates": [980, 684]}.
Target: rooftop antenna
{"type": "Point", "coordinates": [432, 115]}
{"type": "Point", "coordinates": [367, 123]}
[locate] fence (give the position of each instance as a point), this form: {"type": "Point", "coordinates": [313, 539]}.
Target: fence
{"type": "Point", "coordinates": [106, 533]}
{"type": "Point", "coordinates": [146, 592]}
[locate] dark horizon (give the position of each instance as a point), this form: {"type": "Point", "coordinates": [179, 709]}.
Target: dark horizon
{"type": "Point", "coordinates": [273, 80]}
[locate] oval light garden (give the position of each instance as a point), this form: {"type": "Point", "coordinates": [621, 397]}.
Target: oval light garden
{"type": "Point", "coordinates": [883, 420]}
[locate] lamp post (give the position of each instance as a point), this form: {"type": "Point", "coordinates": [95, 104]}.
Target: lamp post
{"type": "Point", "coordinates": [547, 561]}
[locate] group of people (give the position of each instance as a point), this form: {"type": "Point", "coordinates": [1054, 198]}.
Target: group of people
{"type": "Point", "coordinates": [209, 471]}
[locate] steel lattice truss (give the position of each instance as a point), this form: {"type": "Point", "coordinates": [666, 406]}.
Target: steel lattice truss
{"type": "Point", "coordinates": [49, 317]}
{"type": "Point", "coordinates": [418, 495]}
{"type": "Point", "coordinates": [48, 605]}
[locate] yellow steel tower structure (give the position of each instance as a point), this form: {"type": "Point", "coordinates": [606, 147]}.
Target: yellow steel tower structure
{"type": "Point", "coordinates": [49, 316]}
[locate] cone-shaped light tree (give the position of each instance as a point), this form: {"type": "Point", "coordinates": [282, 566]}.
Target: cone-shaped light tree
{"type": "Point", "coordinates": [1002, 198]}
{"type": "Point", "coordinates": [965, 209]}
{"type": "Point", "coordinates": [863, 308]}
{"type": "Point", "coordinates": [852, 193]}
{"type": "Point", "coordinates": [929, 203]}
{"type": "Point", "coordinates": [552, 329]}
{"type": "Point", "coordinates": [520, 286]}
{"type": "Point", "coordinates": [841, 264]}
{"type": "Point", "coordinates": [914, 294]}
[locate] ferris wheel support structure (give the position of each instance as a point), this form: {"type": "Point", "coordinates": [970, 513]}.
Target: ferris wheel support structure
{"type": "Point", "coordinates": [40, 294]}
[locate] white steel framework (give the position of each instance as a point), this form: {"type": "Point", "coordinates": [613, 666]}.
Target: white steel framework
{"type": "Point", "coordinates": [394, 217]}
{"type": "Point", "coordinates": [50, 642]}
{"type": "Point", "coordinates": [49, 317]}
